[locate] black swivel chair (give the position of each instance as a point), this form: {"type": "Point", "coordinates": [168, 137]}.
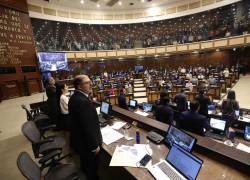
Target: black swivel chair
{"type": "Point", "coordinates": [42, 121]}
{"type": "Point", "coordinates": [31, 171]}
{"type": "Point", "coordinates": [41, 146]}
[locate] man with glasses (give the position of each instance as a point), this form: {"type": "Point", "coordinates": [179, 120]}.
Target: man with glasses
{"type": "Point", "coordinates": [86, 138]}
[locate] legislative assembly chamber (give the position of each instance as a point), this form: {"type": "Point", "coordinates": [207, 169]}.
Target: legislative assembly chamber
{"type": "Point", "coordinates": [125, 89]}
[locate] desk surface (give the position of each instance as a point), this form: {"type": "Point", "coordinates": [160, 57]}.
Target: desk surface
{"type": "Point", "coordinates": [211, 169]}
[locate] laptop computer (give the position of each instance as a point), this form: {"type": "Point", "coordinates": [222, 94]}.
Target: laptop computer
{"type": "Point", "coordinates": [147, 107]}
{"type": "Point", "coordinates": [132, 105]}
{"type": "Point", "coordinates": [218, 128]}
{"type": "Point", "coordinates": [177, 136]}
{"type": "Point", "coordinates": [179, 164]}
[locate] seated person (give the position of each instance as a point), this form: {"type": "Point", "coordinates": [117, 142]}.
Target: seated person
{"type": "Point", "coordinates": [211, 80]}
{"type": "Point", "coordinates": [163, 112]}
{"type": "Point", "coordinates": [229, 106]}
{"type": "Point", "coordinates": [112, 90]}
{"type": "Point", "coordinates": [189, 86]}
{"type": "Point", "coordinates": [122, 100]}
{"type": "Point", "coordinates": [99, 85]}
{"type": "Point", "coordinates": [181, 101]}
{"type": "Point", "coordinates": [169, 86]}
{"type": "Point", "coordinates": [194, 81]}
{"type": "Point", "coordinates": [193, 121]}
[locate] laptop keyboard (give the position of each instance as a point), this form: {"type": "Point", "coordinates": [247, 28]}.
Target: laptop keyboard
{"type": "Point", "coordinates": [168, 171]}
{"type": "Point", "coordinates": [215, 136]}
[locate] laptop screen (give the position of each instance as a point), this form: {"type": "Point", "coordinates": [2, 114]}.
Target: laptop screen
{"type": "Point", "coordinates": [186, 163]}
{"type": "Point", "coordinates": [218, 124]}
{"type": "Point", "coordinates": [105, 108]}
{"type": "Point", "coordinates": [176, 136]}
{"type": "Point", "coordinates": [147, 107]}
{"type": "Point", "coordinates": [132, 103]}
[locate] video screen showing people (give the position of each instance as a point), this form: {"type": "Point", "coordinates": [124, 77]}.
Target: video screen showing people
{"type": "Point", "coordinates": [180, 138]}
{"type": "Point", "coordinates": [132, 103]}
{"type": "Point", "coordinates": [217, 124]}
{"type": "Point", "coordinates": [105, 108]}
{"type": "Point", "coordinates": [147, 107]}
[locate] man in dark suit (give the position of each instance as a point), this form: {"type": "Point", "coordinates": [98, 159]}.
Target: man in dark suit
{"type": "Point", "coordinates": [86, 138]}
{"type": "Point", "coordinates": [52, 100]}
{"type": "Point", "coordinates": [193, 121]}
{"type": "Point", "coordinates": [181, 101]}
{"type": "Point", "coordinates": [204, 101]}
{"type": "Point", "coordinates": [163, 112]}
{"type": "Point", "coordinates": [122, 100]}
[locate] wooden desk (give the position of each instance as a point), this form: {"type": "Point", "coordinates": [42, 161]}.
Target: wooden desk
{"type": "Point", "coordinates": [211, 169]}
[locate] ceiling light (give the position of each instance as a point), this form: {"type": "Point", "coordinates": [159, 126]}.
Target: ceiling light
{"type": "Point", "coordinates": [82, 1]}
{"type": "Point", "coordinates": [153, 11]}
{"type": "Point", "coordinates": [98, 5]}
{"type": "Point", "coordinates": [217, 49]}
{"type": "Point", "coordinates": [234, 49]}
{"type": "Point", "coordinates": [142, 1]}
{"type": "Point", "coordinates": [119, 3]}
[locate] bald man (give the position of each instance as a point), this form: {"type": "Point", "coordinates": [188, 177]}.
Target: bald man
{"type": "Point", "coordinates": [86, 138]}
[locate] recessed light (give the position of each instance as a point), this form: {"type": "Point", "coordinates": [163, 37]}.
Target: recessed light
{"type": "Point", "coordinates": [82, 1]}
{"type": "Point", "coordinates": [119, 3]}
{"type": "Point", "coordinates": [217, 49]}
{"type": "Point", "coordinates": [142, 1]}
{"type": "Point", "coordinates": [98, 5]}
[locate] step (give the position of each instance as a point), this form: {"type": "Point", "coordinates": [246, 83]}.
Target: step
{"type": "Point", "coordinates": [138, 82]}
{"type": "Point", "coordinates": [138, 94]}
{"type": "Point", "coordinates": [139, 89]}
{"type": "Point", "coordinates": [141, 100]}
{"type": "Point", "coordinates": [138, 85]}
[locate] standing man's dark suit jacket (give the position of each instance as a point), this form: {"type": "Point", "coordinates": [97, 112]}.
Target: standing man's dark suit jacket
{"type": "Point", "coordinates": [204, 101]}
{"type": "Point", "coordinates": [181, 101]}
{"type": "Point", "coordinates": [52, 103]}
{"type": "Point", "coordinates": [164, 113]}
{"type": "Point", "coordinates": [194, 122]}
{"type": "Point", "coordinates": [85, 133]}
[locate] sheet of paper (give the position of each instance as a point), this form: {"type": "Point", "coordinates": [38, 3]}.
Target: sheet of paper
{"type": "Point", "coordinates": [244, 119]}
{"type": "Point", "coordinates": [243, 147]}
{"type": "Point", "coordinates": [141, 113]}
{"type": "Point", "coordinates": [117, 125]}
{"type": "Point", "coordinates": [129, 155]}
{"type": "Point", "coordinates": [109, 135]}
{"type": "Point", "coordinates": [98, 110]}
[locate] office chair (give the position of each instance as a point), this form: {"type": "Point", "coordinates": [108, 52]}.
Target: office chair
{"type": "Point", "coordinates": [41, 146]}
{"type": "Point", "coordinates": [31, 171]}
{"type": "Point", "coordinates": [42, 121]}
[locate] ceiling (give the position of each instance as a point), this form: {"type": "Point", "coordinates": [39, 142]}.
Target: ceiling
{"type": "Point", "coordinates": [112, 4]}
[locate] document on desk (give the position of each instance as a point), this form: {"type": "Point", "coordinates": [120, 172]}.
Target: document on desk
{"type": "Point", "coordinates": [141, 113]}
{"type": "Point", "coordinates": [110, 135]}
{"type": "Point", "coordinates": [243, 147]}
{"type": "Point", "coordinates": [129, 156]}
{"type": "Point", "coordinates": [98, 110]}
{"type": "Point", "coordinates": [117, 125]}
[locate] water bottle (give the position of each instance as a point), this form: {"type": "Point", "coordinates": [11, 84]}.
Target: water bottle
{"type": "Point", "coordinates": [137, 137]}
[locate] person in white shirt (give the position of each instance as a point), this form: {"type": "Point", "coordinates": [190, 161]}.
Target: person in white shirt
{"type": "Point", "coordinates": [63, 102]}
{"type": "Point", "coordinates": [226, 73]}
{"type": "Point", "coordinates": [189, 86]}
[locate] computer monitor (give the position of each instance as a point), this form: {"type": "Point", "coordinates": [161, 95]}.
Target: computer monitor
{"type": "Point", "coordinates": [132, 103]}
{"type": "Point", "coordinates": [247, 133]}
{"type": "Point", "coordinates": [183, 161]}
{"type": "Point", "coordinates": [177, 136]}
{"type": "Point", "coordinates": [237, 113]}
{"type": "Point", "coordinates": [147, 107]}
{"type": "Point", "coordinates": [105, 107]}
{"type": "Point", "coordinates": [218, 124]}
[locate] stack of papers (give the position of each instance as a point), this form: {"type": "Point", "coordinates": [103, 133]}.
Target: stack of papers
{"type": "Point", "coordinates": [243, 147]}
{"type": "Point", "coordinates": [117, 125]}
{"type": "Point", "coordinates": [141, 113]}
{"type": "Point", "coordinates": [130, 155]}
{"type": "Point", "coordinates": [109, 135]}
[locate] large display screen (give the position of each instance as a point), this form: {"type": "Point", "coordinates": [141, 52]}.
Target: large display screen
{"type": "Point", "coordinates": [138, 68]}
{"type": "Point", "coordinates": [52, 61]}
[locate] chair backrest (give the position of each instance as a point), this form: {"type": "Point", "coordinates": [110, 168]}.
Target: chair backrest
{"type": "Point", "coordinates": [28, 167]}
{"type": "Point", "coordinates": [28, 113]}
{"type": "Point", "coordinates": [31, 132]}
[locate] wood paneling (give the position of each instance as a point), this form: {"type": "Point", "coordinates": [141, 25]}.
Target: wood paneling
{"type": "Point", "coordinates": [19, 5]}
{"type": "Point", "coordinates": [220, 43]}
{"type": "Point", "coordinates": [150, 51]}
{"type": "Point", "coordinates": [236, 41]}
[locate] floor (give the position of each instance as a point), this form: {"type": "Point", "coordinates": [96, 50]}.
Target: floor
{"type": "Point", "coordinates": [12, 142]}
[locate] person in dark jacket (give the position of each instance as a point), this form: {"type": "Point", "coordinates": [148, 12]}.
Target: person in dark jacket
{"type": "Point", "coordinates": [52, 100]}
{"type": "Point", "coordinates": [229, 106]}
{"type": "Point", "coordinates": [163, 112]}
{"type": "Point", "coordinates": [204, 101]}
{"type": "Point", "coordinates": [193, 121]}
{"type": "Point", "coordinates": [86, 138]}
{"type": "Point", "coordinates": [181, 101]}
{"type": "Point", "coordinates": [122, 100]}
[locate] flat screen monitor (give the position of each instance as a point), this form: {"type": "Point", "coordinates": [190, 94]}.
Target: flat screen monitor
{"type": "Point", "coordinates": [186, 163]}
{"type": "Point", "coordinates": [147, 107]}
{"type": "Point", "coordinates": [105, 108]}
{"type": "Point", "coordinates": [247, 133]}
{"type": "Point", "coordinates": [218, 124]}
{"type": "Point", "coordinates": [179, 137]}
{"type": "Point", "coordinates": [132, 103]}
{"type": "Point", "coordinates": [138, 68]}
{"type": "Point", "coordinates": [51, 61]}
{"type": "Point", "coordinates": [237, 113]}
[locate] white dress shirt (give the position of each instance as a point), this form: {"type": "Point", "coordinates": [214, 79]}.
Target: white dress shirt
{"type": "Point", "coordinates": [64, 100]}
